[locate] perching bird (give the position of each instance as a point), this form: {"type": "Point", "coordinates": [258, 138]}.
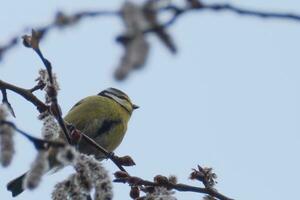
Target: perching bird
{"type": "Point", "coordinates": [102, 117]}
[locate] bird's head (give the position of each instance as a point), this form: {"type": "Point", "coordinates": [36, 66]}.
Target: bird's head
{"type": "Point", "coordinates": [119, 97]}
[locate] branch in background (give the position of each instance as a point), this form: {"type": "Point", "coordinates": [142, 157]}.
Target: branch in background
{"type": "Point", "coordinates": [4, 48]}
{"type": "Point", "coordinates": [131, 60]}
{"type": "Point", "coordinates": [253, 13]}
{"type": "Point", "coordinates": [151, 15]}
{"type": "Point", "coordinates": [61, 20]}
{"type": "Point", "coordinates": [195, 5]}
{"type": "Point", "coordinates": [39, 144]}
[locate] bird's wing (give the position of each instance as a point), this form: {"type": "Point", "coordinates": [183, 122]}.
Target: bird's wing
{"type": "Point", "coordinates": [77, 104]}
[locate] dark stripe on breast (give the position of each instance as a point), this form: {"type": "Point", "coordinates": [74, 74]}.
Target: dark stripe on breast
{"type": "Point", "coordinates": [106, 126]}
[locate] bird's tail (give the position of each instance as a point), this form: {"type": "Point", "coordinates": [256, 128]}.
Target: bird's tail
{"type": "Point", "coordinates": [16, 185]}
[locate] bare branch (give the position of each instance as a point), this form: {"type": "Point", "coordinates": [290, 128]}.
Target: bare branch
{"type": "Point", "coordinates": [32, 41]}
{"type": "Point", "coordinates": [162, 181]}
{"type": "Point", "coordinates": [254, 13]}
{"type": "Point", "coordinates": [25, 94]}
{"type": "Point", "coordinates": [8, 46]}
{"type": "Point", "coordinates": [62, 20]}
{"type": "Point", "coordinates": [218, 7]}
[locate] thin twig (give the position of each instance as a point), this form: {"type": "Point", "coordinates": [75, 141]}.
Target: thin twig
{"type": "Point", "coordinates": [136, 181]}
{"type": "Point", "coordinates": [5, 100]}
{"type": "Point", "coordinates": [8, 46]}
{"type": "Point", "coordinates": [39, 86]}
{"type": "Point", "coordinates": [61, 20]}
{"type": "Point", "coordinates": [254, 13]}
{"type": "Point", "coordinates": [107, 154]}
{"type": "Point", "coordinates": [25, 94]}
{"type": "Point", "coordinates": [53, 96]}
{"type": "Point", "coordinates": [218, 7]}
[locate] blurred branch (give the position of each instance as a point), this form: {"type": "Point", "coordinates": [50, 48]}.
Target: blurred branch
{"type": "Point", "coordinates": [9, 45]}
{"type": "Point", "coordinates": [61, 20]}
{"type": "Point", "coordinates": [38, 143]}
{"type": "Point", "coordinates": [254, 13]}
{"type": "Point", "coordinates": [218, 7]}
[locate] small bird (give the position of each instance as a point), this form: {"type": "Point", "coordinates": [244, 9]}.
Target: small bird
{"type": "Point", "coordinates": [102, 117]}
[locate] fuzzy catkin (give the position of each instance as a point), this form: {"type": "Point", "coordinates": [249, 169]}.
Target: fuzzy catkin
{"type": "Point", "coordinates": [103, 190]}
{"type": "Point", "coordinates": [137, 47]}
{"type": "Point", "coordinates": [44, 78]}
{"type": "Point", "coordinates": [160, 193]}
{"type": "Point", "coordinates": [208, 197]}
{"type": "Point", "coordinates": [60, 190]}
{"type": "Point", "coordinates": [101, 180]}
{"type": "Point", "coordinates": [3, 111]}
{"type": "Point", "coordinates": [7, 149]}
{"type": "Point", "coordinates": [50, 129]}
{"type": "Point", "coordinates": [75, 190]}
{"type": "Point", "coordinates": [67, 155]}
{"type": "Point", "coordinates": [89, 174]}
{"type": "Point", "coordinates": [37, 170]}
{"type": "Point", "coordinates": [98, 177]}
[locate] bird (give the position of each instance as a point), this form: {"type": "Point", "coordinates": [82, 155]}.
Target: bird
{"type": "Point", "coordinates": [103, 117]}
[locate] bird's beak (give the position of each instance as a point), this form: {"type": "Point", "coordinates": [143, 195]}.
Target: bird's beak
{"type": "Point", "coordinates": [135, 106]}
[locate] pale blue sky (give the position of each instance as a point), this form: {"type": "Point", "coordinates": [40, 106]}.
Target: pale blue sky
{"type": "Point", "coordinates": [229, 99]}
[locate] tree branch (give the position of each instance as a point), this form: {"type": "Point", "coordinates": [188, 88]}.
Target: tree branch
{"type": "Point", "coordinates": [218, 7]}
{"type": "Point", "coordinates": [162, 181]}
{"type": "Point", "coordinates": [41, 107]}
{"type": "Point", "coordinates": [62, 20]}
{"type": "Point", "coordinates": [254, 13]}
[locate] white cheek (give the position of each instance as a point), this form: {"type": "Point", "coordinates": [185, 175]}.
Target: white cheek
{"type": "Point", "coordinates": [117, 99]}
